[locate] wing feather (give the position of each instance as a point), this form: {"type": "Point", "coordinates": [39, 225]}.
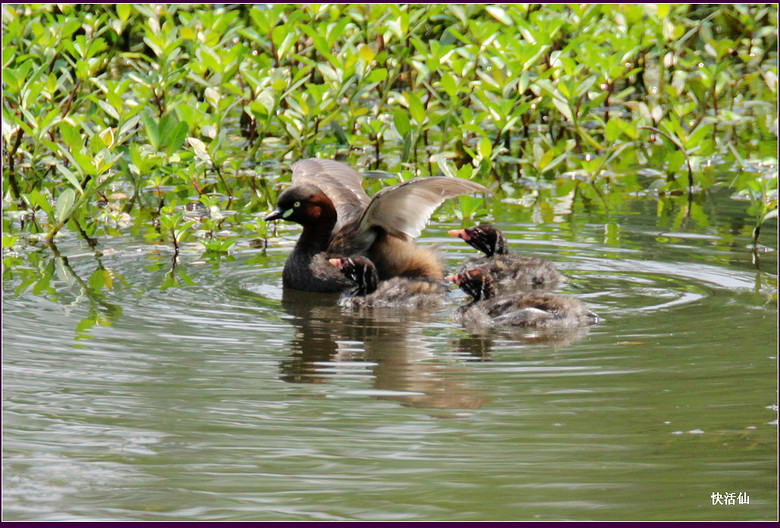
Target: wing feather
{"type": "Point", "coordinates": [405, 208]}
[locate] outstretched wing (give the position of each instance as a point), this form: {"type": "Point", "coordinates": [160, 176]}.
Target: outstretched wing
{"type": "Point", "coordinates": [340, 182]}
{"type": "Point", "coordinates": [404, 209]}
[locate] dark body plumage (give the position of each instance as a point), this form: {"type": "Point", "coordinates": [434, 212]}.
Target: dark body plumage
{"type": "Point", "coordinates": [507, 269]}
{"type": "Point", "coordinates": [340, 220]}
{"type": "Point", "coordinates": [523, 309]}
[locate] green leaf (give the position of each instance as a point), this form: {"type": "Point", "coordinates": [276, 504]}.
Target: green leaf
{"type": "Point", "coordinates": [9, 240]}
{"type": "Point", "coordinates": [583, 86]}
{"type": "Point", "coordinates": [104, 160]}
{"type": "Point", "coordinates": [613, 130]}
{"type": "Point", "coordinates": [563, 108]}
{"type": "Point", "coordinates": [97, 280]}
{"type": "Point", "coordinates": [13, 84]}
{"type": "Point", "coordinates": [538, 153]}
{"type": "Point", "coordinates": [546, 159]}
{"type": "Point", "coordinates": [338, 131]}
{"type": "Point", "coordinates": [401, 122]}
{"type": "Point", "coordinates": [552, 164]}
{"type": "Point", "coordinates": [675, 161]}
{"type": "Point", "coordinates": [698, 135]}
{"type": "Point", "coordinates": [466, 171]}
{"type": "Point", "coordinates": [616, 126]}
{"type": "Point", "coordinates": [406, 149]}
{"type": "Point", "coordinates": [152, 130]}
{"type": "Point", "coordinates": [485, 148]}
{"type": "Point", "coordinates": [36, 198]}
{"type": "Point", "coordinates": [416, 109]}
{"type": "Point", "coordinates": [164, 127]}
{"type": "Point", "coordinates": [64, 272]}
{"type": "Point", "coordinates": [72, 179]}
{"type": "Point", "coordinates": [83, 162]}
{"type": "Point", "coordinates": [447, 168]}
{"type": "Point", "coordinates": [499, 14]}
{"type": "Point", "coordinates": [449, 85]}
{"type": "Point", "coordinates": [64, 205]}
{"type": "Point", "coordinates": [123, 10]}
{"type": "Point", "coordinates": [87, 322]}
{"type": "Point", "coordinates": [769, 215]}
{"type": "Point", "coordinates": [366, 54]}
{"type": "Point", "coordinates": [564, 90]}
{"type": "Point", "coordinates": [127, 128]}
{"type": "Point", "coordinates": [34, 88]}
{"type": "Point", "coordinates": [177, 137]}
{"type": "Point", "coordinates": [284, 39]}
{"type": "Point", "coordinates": [70, 136]}
{"type": "Point", "coordinates": [201, 151]}
{"type": "Point", "coordinates": [107, 137]}
{"type": "Point", "coordinates": [377, 75]}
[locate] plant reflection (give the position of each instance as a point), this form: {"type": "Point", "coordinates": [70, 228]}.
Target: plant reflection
{"type": "Point", "coordinates": [100, 311]}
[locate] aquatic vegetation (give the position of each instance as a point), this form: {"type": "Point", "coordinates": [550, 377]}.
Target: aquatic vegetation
{"type": "Point", "coordinates": [120, 117]}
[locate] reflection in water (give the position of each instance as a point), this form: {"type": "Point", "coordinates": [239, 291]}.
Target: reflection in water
{"type": "Point", "coordinates": [100, 310]}
{"type": "Point", "coordinates": [175, 411]}
{"type": "Point", "coordinates": [314, 317]}
{"type": "Point", "coordinates": [403, 366]}
{"type": "Point", "coordinates": [478, 344]}
{"type": "Point", "coordinates": [475, 346]}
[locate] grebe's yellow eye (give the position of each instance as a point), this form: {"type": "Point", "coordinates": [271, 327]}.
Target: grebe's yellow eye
{"type": "Point", "coordinates": [297, 204]}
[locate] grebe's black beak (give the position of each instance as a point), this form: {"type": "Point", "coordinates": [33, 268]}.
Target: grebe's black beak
{"type": "Point", "coordinates": [275, 215]}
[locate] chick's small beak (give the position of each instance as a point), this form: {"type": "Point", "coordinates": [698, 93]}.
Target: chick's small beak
{"type": "Point", "coordinates": [453, 278]}
{"type": "Point", "coordinates": [275, 215]}
{"type": "Point", "coordinates": [336, 262]}
{"type": "Point", "coordinates": [460, 233]}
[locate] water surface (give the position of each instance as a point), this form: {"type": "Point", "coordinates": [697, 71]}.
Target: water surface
{"type": "Point", "coordinates": [228, 398]}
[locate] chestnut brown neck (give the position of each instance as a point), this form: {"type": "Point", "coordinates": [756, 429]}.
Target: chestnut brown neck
{"type": "Point", "coordinates": [318, 222]}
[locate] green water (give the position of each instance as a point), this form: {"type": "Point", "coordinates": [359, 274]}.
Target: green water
{"type": "Point", "coordinates": [229, 399]}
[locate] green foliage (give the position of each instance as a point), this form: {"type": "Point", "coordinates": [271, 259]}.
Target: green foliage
{"type": "Point", "coordinates": [166, 105]}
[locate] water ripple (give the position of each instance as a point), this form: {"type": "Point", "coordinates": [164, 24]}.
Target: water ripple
{"type": "Point", "coordinates": [227, 398]}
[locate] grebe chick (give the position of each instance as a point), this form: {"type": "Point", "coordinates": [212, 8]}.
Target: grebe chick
{"type": "Point", "coordinates": [507, 269]}
{"type": "Point", "coordinates": [529, 309]}
{"type": "Point", "coordinates": [397, 292]}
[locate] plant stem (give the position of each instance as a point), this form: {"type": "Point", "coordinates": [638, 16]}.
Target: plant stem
{"type": "Point", "coordinates": [12, 171]}
{"type": "Point", "coordinates": [677, 144]}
